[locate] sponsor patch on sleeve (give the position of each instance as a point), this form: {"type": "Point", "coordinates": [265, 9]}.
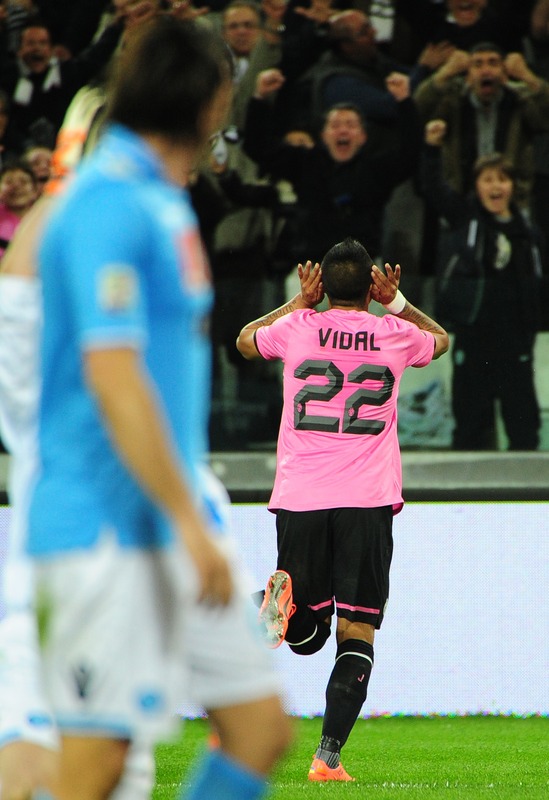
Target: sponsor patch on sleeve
{"type": "Point", "coordinates": [118, 288]}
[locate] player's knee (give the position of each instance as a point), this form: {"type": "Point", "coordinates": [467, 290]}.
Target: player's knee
{"type": "Point", "coordinates": [255, 734]}
{"type": "Point", "coordinates": [311, 644]}
{"type": "Point", "coordinates": [79, 773]}
{"type": "Point", "coordinates": [280, 731]}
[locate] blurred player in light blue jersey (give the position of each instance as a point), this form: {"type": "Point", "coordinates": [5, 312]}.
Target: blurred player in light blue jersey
{"type": "Point", "coordinates": [123, 524]}
{"type": "Point", "coordinates": [28, 735]}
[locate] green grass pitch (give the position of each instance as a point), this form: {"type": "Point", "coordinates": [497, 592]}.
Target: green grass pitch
{"type": "Point", "coordinates": [405, 758]}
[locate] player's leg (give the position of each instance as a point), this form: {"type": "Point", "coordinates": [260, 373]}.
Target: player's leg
{"type": "Point", "coordinates": [80, 777]}
{"type": "Point", "coordinates": [301, 584]}
{"type": "Point", "coordinates": [28, 769]}
{"type": "Point", "coordinates": [233, 678]}
{"type": "Point", "coordinates": [106, 659]}
{"type": "Point", "coordinates": [25, 767]}
{"type": "Point", "coordinates": [253, 736]}
{"type": "Point", "coordinates": [345, 695]}
{"type": "Point", "coordinates": [28, 739]}
{"type": "Point", "coordinates": [362, 549]}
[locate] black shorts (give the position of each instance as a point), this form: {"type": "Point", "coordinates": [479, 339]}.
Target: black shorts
{"type": "Point", "coordinates": [338, 556]}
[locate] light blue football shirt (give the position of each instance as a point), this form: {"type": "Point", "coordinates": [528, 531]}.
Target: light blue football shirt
{"type": "Point", "coordinates": [122, 264]}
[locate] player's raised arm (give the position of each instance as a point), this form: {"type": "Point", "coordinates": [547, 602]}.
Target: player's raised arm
{"type": "Point", "coordinates": [311, 294]}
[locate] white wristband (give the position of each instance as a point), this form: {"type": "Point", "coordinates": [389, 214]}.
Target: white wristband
{"type": "Point", "coordinates": [396, 305]}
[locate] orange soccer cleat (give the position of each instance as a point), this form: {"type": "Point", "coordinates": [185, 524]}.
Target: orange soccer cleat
{"type": "Point", "coordinates": [321, 772]}
{"type": "Point", "coordinates": [277, 608]}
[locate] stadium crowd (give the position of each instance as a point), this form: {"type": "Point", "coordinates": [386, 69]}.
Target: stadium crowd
{"type": "Point", "coordinates": [325, 139]}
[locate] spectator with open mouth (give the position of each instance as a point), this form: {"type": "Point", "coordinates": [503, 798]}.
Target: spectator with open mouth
{"type": "Point", "coordinates": [490, 102]}
{"type": "Point", "coordinates": [17, 194]}
{"type": "Point", "coordinates": [341, 186]}
{"type": "Point", "coordinates": [489, 288]}
{"type": "Point", "coordinates": [38, 158]}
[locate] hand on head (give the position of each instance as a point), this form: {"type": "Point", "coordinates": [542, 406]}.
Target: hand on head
{"type": "Point", "coordinates": [310, 279]}
{"type": "Point", "coordinates": [385, 284]}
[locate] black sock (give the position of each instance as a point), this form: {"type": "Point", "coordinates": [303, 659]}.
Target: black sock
{"type": "Point", "coordinates": [306, 635]}
{"type": "Point", "coordinates": [347, 688]}
{"type": "Point", "coordinates": [328, 751]}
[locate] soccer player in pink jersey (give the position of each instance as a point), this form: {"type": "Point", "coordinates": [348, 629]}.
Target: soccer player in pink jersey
{"type": "Point", "coordinates": [338, 478]}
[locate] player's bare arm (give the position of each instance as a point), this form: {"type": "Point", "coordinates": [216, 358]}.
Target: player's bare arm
{"type": "Point", "coordinates": [425, 323]}
{"type": "Point", "coordinates": [384, 291]}
{"type": "Point", "coordinates": [140, 434]}
{"type": "Point", "coordinates": [310, 278]}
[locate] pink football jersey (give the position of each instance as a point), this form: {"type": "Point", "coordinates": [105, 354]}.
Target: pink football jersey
{"type": "Point", "coordinates": [338, 444]}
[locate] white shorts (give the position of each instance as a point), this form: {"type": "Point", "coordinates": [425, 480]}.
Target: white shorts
{"type": "Point", "coordinates": [112, 621]}
{"type": "Point", "coordinates": [229, 661]}
{"type": "Point", "coordinates": [126, 643]}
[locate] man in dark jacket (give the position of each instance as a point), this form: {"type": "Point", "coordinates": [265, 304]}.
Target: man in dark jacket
{"type": "Point", "coordinates": [490, 102]}
{"type": "Point", "coordinates": [341, 186]}
{"type": "Point", "coordinates": [338, 61]}
{"type": "Point", "coordinates": [41, 87]}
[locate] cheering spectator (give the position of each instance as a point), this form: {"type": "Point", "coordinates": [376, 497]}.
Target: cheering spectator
{"type": "Point", "coordinates": [41, 87]}
{"type": "Point", "coordinates": [253, 35]}
{"type": "Point", "coordinates": [341, 186]}
{"type": "Point", "coordinates": [241, 243]}
{"type": "Point", "coordinates": [17, 194]}
{"type": "Point", "coordinates": [337, 61]}
{"type": "Point", "coordinates": [489, 290]}
{"type": "Point", "coordinates": [490, 102]}
{"type": "Point", "coordinates": [39, 159]}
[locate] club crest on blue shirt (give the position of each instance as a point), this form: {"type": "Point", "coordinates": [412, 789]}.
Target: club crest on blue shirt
{"type": "Point", "coordinates": [118, 287]}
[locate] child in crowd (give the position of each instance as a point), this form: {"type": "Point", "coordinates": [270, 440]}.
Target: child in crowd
{"type": "Point", "coordinates": [17, 194]}
{"type": "Point", "coordinates": [490, 278]}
